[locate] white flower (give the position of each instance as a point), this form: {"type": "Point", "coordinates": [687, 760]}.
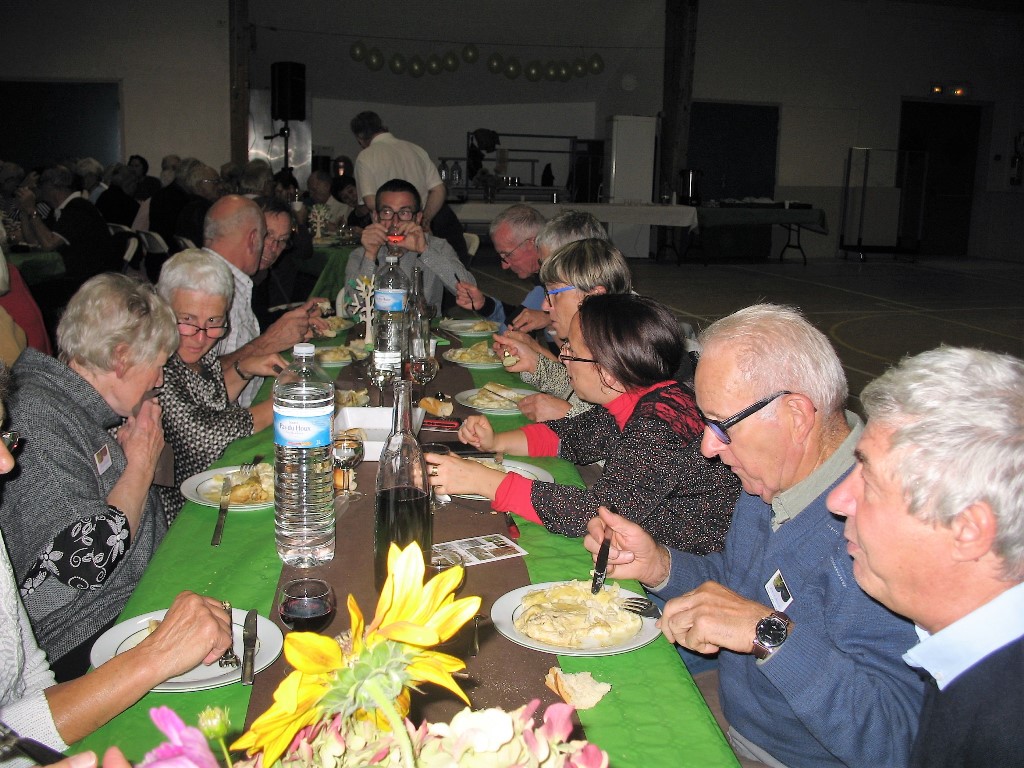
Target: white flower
{"type": "Point", "coordinates": [487, 730]}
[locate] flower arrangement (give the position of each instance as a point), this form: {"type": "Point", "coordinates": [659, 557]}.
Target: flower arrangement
{"type": "Point", "coordinates": [344, 705]}
{"type": "Point", "coordinates": [319, 219]}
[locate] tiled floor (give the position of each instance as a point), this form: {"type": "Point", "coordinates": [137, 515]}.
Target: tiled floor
{"type": "Point", "coordinates": [875, 312]}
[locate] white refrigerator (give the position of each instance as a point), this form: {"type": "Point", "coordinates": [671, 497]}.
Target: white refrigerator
{"type": "Point", "coordinates": [629, 176]}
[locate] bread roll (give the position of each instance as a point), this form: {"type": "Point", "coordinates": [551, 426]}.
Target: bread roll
{"type": "Point", "coordinates": [435, 407]}
{"type": "Point", "coordinates": [578, 689]}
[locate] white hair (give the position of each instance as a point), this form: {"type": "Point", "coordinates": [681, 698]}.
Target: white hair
{"type": "Point", "coordinates": [196, 270]}
{"type": "Point", "coordinates": [777, 349]}
{"type": "Point", "coordinates": [957, 416]}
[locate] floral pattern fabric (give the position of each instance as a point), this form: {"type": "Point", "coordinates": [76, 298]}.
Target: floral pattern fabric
{"type": "Point", "coordinates": [83, 554]}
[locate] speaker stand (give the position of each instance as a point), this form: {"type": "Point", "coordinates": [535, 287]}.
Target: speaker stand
{"type": "Point", "coordinates": [284, 133]}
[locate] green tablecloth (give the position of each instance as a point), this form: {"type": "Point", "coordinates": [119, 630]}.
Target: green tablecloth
{"type": "Point", "coordinates": [38, 266]}
{"type": "Point", "coordinates": [329, 264]}
{"type": "Point", "coordinates": [653, 716]}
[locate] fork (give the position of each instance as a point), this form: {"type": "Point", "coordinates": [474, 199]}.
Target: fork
{"type": "Point", "coordinates": [247, 468]}
{"type": "Point", "coordinates": [642, 607]}
{"type": "Point", "coordinates": [229, 658]}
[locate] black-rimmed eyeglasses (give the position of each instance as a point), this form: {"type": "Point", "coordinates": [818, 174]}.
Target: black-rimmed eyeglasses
{"type": "Point", "coordinates": [720, 428]}
{"type": "Point", "coordinates": [212, 331]}
{"type": "Point", "coordinates": [11, 440]}
{"type": "Point", "coordinates": [403, 214]}
{"type": "Point", "coordinates": [572, 358]}
{"type": "Point", "coordinates": [506, 255]}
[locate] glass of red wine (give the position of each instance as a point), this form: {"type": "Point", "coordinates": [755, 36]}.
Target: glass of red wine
{"type": "Point", "coordinates": [306, 605]}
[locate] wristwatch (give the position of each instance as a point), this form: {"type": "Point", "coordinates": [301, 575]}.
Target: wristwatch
{"type": "Point", "coordinates": [771, 632]}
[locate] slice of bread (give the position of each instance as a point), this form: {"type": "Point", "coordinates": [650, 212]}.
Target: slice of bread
{"type": "Point", "coordinates": [578, 689]}
{"type": "Point", "coordinates": [435, 407]}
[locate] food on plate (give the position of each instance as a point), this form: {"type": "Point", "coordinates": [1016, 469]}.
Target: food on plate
{"type": "Point", "coordinates": [484, 325]}
{"type": "Point", "coordinates": [334, 355]}
{"type": "Point", "coordinates": [495, 396]}
{"type": "Point", "coordinates": [480, 352]}
{"type": "Point", "coordinates": [256, 487]}
{"type": "Point", "coordinates": [351, 398]}
{"type": "Point", "coordinates": [325, 308]}
{"type": "Point", "coordinates": [489, 463]}
{"type": "Point", "coordinates": [578, 689]}
{"type": "Point", "coordinates": [335, 325]}
{"type": "Point", "coordinates": [569, 616]}
{"type": "Point", "coordinates": [436, 407]}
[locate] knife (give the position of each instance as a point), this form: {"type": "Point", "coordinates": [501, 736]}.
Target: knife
{"type": "Point", "coordinates": [248, 647]}
{"type": "Point", "coordinates": [513, 529]}
{"type": "Point", "coordinates": [40, 754]}
{"type": "Point", "coordinates": [222, 515]}
{"type": "Point", "coordinates": [601, 567]}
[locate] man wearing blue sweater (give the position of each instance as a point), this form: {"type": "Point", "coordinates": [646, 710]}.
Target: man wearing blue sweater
{"type": "Point", "coordinates": [934, 517]}
{"type": "Point", "coordinates": [810, 672]}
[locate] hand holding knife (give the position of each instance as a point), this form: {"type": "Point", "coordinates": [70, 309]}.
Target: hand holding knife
{"type": "Point", "coordinates": [248, 647]}
{"type": "Point", "coordinates": [601, 566]}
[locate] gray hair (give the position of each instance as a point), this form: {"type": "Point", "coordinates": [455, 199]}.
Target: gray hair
{"type": "Point", "coordinates": [196, 270]}
{"type": "Point", "coordinates": [244, 217]}
{"type": "Point", "coordinates": [185, 168]}
{"type": "Point", "coordinates": [957, 416]}
{"type": "Point", "coordinates": [524, 220]}
{"type": "Point", "coordinates": [89, 166]}
{"type": "Point", "coordinates": [776, 348]}
{"type": "Point", "coordinates": [114, 318]}
{"type": "Point", "coordinates": [588, 264]}
{"type": "Point", "coordinates": [568, 227]}
{"type": "Point", "coordinates": [195, 174]}
{"type": "Point", "coordinates": [256, 177]}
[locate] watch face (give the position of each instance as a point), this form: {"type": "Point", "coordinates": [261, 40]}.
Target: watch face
{"type": "Point", "coordinates": [771, 631]}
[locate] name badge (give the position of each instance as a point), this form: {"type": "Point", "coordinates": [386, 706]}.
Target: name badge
{"type": "Point", "coordinates": [778, 591]}
{"type": "Point", "coordinates": [102, 459]}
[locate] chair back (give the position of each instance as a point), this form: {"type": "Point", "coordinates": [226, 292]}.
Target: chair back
{"type": "Point", "coordinates": [472, 243]}
{"type": "Point", "coordinates": [152, 242]}
{"type": "Point", "coordinates": [184, 243]}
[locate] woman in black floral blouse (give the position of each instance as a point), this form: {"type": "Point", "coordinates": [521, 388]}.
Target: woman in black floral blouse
{"type": "Point", "coordinates": [621, 353]}
{"type": "Point", "coordinates": [200, 415]}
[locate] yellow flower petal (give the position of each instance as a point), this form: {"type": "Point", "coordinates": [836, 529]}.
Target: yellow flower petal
{"type": "Point", "coordinates": [411, 634]}
{"type": "Point", "coordinates": [312, 653]}
{"type": "Point", "coordinates": [358, 625]}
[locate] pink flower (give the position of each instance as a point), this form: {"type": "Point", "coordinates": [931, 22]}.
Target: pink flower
{"type": "Point", "coordinates": [590, 756]}
{"type": "Point", "coordinates": [557, 722]}
{"type": "Point", "coordinates": [185, 747]}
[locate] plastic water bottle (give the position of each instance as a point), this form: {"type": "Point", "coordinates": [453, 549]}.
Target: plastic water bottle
{"type": "Point", "coordinates": [390, 301]}
{"type": "Point", "coordinates": [303, 462]}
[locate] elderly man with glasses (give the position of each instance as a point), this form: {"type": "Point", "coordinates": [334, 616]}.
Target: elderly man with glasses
{"type": "Point", "coordinates": [810, 671]}
{"type": "Point", "coordinates": [398, 206]}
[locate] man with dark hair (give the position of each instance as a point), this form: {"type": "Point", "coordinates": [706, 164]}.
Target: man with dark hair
{"type": "Point", "coordinates": [319, 187]}
{"type": "Point", "coordinates": [385, 157]}
{"type": "Point", "coordinates": [397, 204]}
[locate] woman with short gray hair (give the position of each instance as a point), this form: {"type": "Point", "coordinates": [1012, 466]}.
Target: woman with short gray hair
{"type": "Point", "coordinates": [81, 517]}
{"type": "Point", "coordinates": [201, 415]}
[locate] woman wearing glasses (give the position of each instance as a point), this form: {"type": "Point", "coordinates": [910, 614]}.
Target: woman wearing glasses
{"type": "Point", "coordinates": [620, 354]}
{"type": "Point", "coordinates": [200, 413]}
{"type": "Point", "coordinates": [81, 517]}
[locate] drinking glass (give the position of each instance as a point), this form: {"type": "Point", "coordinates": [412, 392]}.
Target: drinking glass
{"type": "Point", "coordinates": [437, 499]}
{"type": "Point", "coordinates": [380, 378]}
{"type": "Point", "coordinates": [441, 560]}
{"type": "Point", "coordinates": [348, 454]}
{"type": "Point", "coordinates": [306, 605]}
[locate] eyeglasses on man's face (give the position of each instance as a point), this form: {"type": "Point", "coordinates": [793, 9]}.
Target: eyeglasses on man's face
{"type": "Point", "coordinates": [555, 291]}
{"type": "Point", "coordinates": [720, 428]}
{"type": "Point", "coordinates": [566, 356]}
{"type": "Point", "coordinates": [506, 255]}
{"type": "Point", "coordinates": [279, 242]}
{"type": "Point", "coordinates": [11, 440]}
{"type": "Point", "coordinates": [211, 331]}
{"type": "Point", "coordinates": [403, 214]}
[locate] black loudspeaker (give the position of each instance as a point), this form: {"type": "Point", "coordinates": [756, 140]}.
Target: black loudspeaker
{"type": "Point", "coordinates": [287, 90]}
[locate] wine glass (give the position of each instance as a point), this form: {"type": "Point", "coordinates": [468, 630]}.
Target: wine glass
{"type": "Point", "coordinates": [348, 454]}
{"type": "Point", "coordinates": [437, 499]}
{"type": "Point", "coordinates": [441, 560]}
{"type": "Point", "coordinates": [380, 378]}
{"type": "Point", "coordinates": [395, 238]}
{"type": "Point", "coordinates": [306, 605]}
{"type": "Point", "coordinates": [422, 370]}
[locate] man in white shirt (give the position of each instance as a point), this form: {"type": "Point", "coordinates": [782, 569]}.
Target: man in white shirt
{"type": "Point", "coordinates": [935, 523]}
{"type": "Point", "coordinates": [236, 231]}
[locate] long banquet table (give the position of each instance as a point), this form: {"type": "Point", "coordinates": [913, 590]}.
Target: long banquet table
{"type": "Point", "coordinates": [684, 216]}
{"type": "Point", "coordinates": [654, 715]}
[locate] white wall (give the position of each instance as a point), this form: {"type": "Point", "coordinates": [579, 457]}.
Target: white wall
{"type": "Point", "coordinates": [170, 57]}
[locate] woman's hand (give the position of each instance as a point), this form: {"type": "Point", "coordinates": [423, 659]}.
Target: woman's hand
{"type": "Point", "coordinates": [142, 437]}
{"type": "Point", "coordinates": [541, 407]}
{"type": "Point", "coordinates": [196, 629]}
{"type": "Point", "coordinates": [522, 346]}
{"type": "Point", "coordinates": [478, 432]}
{"type": "Point", "coordinates": [454, 475]}
{"type": "Point", "coordinates": [263, 365]}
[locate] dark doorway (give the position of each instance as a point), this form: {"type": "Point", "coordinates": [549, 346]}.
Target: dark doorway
{"type": "Point", "coordinates": [57, 120]}
{"type": "Point", "coordinates": [735, 147]}
{"type": "Point", "coordinates": [949, 134]}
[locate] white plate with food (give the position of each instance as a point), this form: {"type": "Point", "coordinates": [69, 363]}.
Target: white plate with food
{"type": "Point", "coordinates": [509, 607]}
{"type": "Point", "coordinates": [491, 403]}
{"type": "Point", "coordinates": [528, 471]}
{"type": "Point", "coordinates": [469, 328]}
{"type": "Point", "coordinates": [129, 633]}
{"type": "Point", "coordinates": [351, 398]}
{"type": "Point", "coordinates": [205, 488]}
{"type": "Point", "coordinates": [334, 325]}
{"type": "Point", "coordinates": [480, 356]}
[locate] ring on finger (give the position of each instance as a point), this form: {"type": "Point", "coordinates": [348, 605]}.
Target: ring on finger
{"type": "Point", "coordinates": [433, 471]}
{"type": "Point", "coordinates": [225, 605]}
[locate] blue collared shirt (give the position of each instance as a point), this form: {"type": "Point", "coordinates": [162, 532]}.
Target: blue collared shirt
{"type": "Point", "coordinates": [952, 651]}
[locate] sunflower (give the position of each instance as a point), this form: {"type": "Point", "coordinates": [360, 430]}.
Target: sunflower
{"type": "Point", "coordinates": [368, 673]}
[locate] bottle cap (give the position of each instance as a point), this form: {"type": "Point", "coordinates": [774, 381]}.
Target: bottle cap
{"type": "Point", "coordinates": [303, 350]}
{"type": "Point", "coordinates": [391, 258]}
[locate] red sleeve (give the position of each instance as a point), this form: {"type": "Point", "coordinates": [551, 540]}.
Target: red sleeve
{"type": "Point", "coordinates": [541, 440]}
{"type": "Point", "coordinates": [513, 495]}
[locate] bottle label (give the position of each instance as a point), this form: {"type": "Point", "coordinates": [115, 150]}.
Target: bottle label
{"type": "Point", "coordinates": [302, 427]}
{"type": "Point", "coordinates": [389, 300]}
